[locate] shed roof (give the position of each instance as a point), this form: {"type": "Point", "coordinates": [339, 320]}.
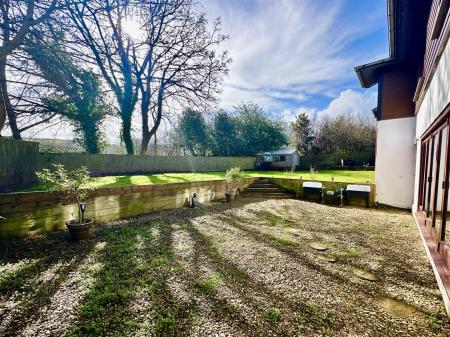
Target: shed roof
{"type": "Point", "coordinates": [278, 152]}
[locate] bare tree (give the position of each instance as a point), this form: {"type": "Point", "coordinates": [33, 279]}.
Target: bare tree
{"type": "Point", "coordinates": [17, 18]}
{"type": "Point", "coordinates": [99, 27]}
{"type": "Point", "coordinates": [175, 61]}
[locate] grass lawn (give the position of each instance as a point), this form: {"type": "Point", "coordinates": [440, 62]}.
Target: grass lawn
{"type": "Point", "coordinates": [245, 269]}
{"type": "Point", "coordinates": [167, 178]}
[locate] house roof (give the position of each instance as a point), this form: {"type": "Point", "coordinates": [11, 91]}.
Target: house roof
{"type": "Point", "coordinates": [278, 152]}
{"type": "Point", "coordinates": [367, 73]}
{"type": "Point", "coordinates": [406, 19]}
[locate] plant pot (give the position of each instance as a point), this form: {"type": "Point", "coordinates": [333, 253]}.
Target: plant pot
{"type": "Point", "coordinates": [79, 232]}
{"type": "Point", "coordinates": [229, 196]}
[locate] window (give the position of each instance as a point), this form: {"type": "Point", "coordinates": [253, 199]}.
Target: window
{"type": "Point", "coordinates": [282, 158]}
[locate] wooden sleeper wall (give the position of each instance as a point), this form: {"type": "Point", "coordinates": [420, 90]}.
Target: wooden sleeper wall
{"type": "Point", "coordinates": [39, 212]}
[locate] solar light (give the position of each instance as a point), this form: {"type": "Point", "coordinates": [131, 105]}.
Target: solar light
{"type": "Point", "coordinates": [195, 202]}
{"type": "Point", "coordinates": [82, 209]}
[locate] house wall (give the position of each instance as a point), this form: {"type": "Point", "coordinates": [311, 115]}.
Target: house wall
{"type": "Point", "coordinates": [395, 162]}
{"type": "Point", "coordinates": [434, 102]}
{"type": "Point", "coordinates": [433, 46]}
{"type": "Point", "coordinates": [397, 91]}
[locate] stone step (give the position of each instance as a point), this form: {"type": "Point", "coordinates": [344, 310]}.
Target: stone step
{"type": "Point", "coordinates": [262, 185]}
{"type": "Point", "coordinates": [263, 189]}
{"type": "Point", "coordinates": [268, 195]}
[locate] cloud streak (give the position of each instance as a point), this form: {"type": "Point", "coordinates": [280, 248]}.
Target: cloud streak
{"type": "Point", "coordinates": [288, 52]}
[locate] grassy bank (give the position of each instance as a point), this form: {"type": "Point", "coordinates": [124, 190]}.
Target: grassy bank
{"type": "Point", "coordinates": [168, 178]}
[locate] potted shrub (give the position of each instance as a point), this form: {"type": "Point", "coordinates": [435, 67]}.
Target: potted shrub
{"type": "Point", "coordinates": [75, 185]}
{"type": "Point", "coordinates": [233, 175]}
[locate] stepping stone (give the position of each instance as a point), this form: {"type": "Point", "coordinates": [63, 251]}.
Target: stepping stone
{"type": "Point", "coordinates": [395, 306]}
{"type": "Point", "coordinates": [318, 246]}
{"type": "Point", "coordinates": [327, 258]}
{"type": "Point", "coordinates": [365, 275]}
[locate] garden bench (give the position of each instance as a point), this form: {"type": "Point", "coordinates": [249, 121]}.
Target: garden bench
{"type": "Point", "coordinates": [358, 191]}
{"type": "Point", "coordinates": [312, 188]}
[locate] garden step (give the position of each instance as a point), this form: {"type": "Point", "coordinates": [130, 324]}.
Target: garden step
{"type": "Point", "coordinates": [264, 189]}
{"type": "Point", "coordinates": [265, 185]}
{"type": "Point", "coordinates": [268, 195]}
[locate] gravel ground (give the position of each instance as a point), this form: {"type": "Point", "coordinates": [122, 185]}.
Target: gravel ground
{"type": "Point", "coordinates": [246, 269]}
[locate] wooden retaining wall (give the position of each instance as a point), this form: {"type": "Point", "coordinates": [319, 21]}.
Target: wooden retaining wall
{"type": "Point", "coordinates": [114, 164]}
{"type": "Point", "coordinates": [40, 212]}
{"type": "Point", "coordinates": [18, 163]}
{"type": "Point", "coordinates": [295, 185]}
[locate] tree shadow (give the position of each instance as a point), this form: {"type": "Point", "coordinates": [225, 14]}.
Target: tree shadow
{"type": "Point", "coordinates": [135, 263]}
{"type": "Point", "coordinates": [250, 292]}
{"type": "Point", "coordinates": [119, 181]}
{"type": "Point", "coordinates": [294, 250]}
{"type": "Point", "coordinates": [48, 251]}
{"type": "Point", "coordinates": [157, 179]}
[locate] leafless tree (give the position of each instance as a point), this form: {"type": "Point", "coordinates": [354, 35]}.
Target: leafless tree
{"type": "Point", "coordinates": [16, 19]}
{"type": "Point", "coordinates": [168, 61]}
{"type": "Point", "coordinates": [99, 27]}
{"type": "Point", "coordinates": [174, 60]}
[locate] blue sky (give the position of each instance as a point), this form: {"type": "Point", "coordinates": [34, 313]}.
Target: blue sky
{"type": "Point", "coordinates": [290, 56]}
{"type": "Point", "coordinates": [294, 56]}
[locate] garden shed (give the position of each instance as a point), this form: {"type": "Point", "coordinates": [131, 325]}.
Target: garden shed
{"type": "Point", "coordinates": [278, 160]}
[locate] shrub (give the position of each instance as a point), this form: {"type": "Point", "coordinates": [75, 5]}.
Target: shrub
{"type": "Point", "coordinates": [74, 184]}
{"type": "Point", "coordinates": [234, 174]}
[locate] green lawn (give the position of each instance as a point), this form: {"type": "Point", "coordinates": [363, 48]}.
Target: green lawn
{"type": "Point", "coordinates": [167, 178]}
{"type": "Point", "coordinates": [323, 175]}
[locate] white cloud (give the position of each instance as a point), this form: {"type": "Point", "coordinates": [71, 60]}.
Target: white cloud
{"type": "Point", "coordinates": [348, 102]}
{"type": "Point", "coordinates": [289, 115]}
{"type": "Point", "coordinates": [288, 47]}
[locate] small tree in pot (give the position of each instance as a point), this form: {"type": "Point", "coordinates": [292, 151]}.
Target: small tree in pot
{"type": "Point", "coordinates": [75, 185]}
{"type": "Point", "coordinates": [233, 175]}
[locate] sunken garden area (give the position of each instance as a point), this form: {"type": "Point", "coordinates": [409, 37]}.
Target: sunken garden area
{"type": "Point", "coordinates": [254, 267]}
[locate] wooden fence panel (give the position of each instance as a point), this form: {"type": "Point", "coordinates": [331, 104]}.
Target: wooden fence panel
{"type": "Point", "coordinates": [18, 163]}
{"type": "Point", "coordinates": [113, 164]}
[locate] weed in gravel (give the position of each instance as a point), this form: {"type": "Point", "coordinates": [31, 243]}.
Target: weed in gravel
{"type": "Point", "coordinates": [210, 284]}
{"type": "Point", "coordinates": [166, 323]}
{"type": "Point", "coordinates": [327, 333]}
{"type": "Point", "coordinates": [321, 318]}
{"type": "Point", "coordinates": [273, 314]}
{"type": "Point", "coordinates": [349, 254]}
{"type": "Point", "coordinates": [238, 275]}
{"type": "Point", "coordinates": [435, 321]}
{"type": "Point", "coordinates": [302, 326]}
{"type": "Point", "coordinates": [272, 219]}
